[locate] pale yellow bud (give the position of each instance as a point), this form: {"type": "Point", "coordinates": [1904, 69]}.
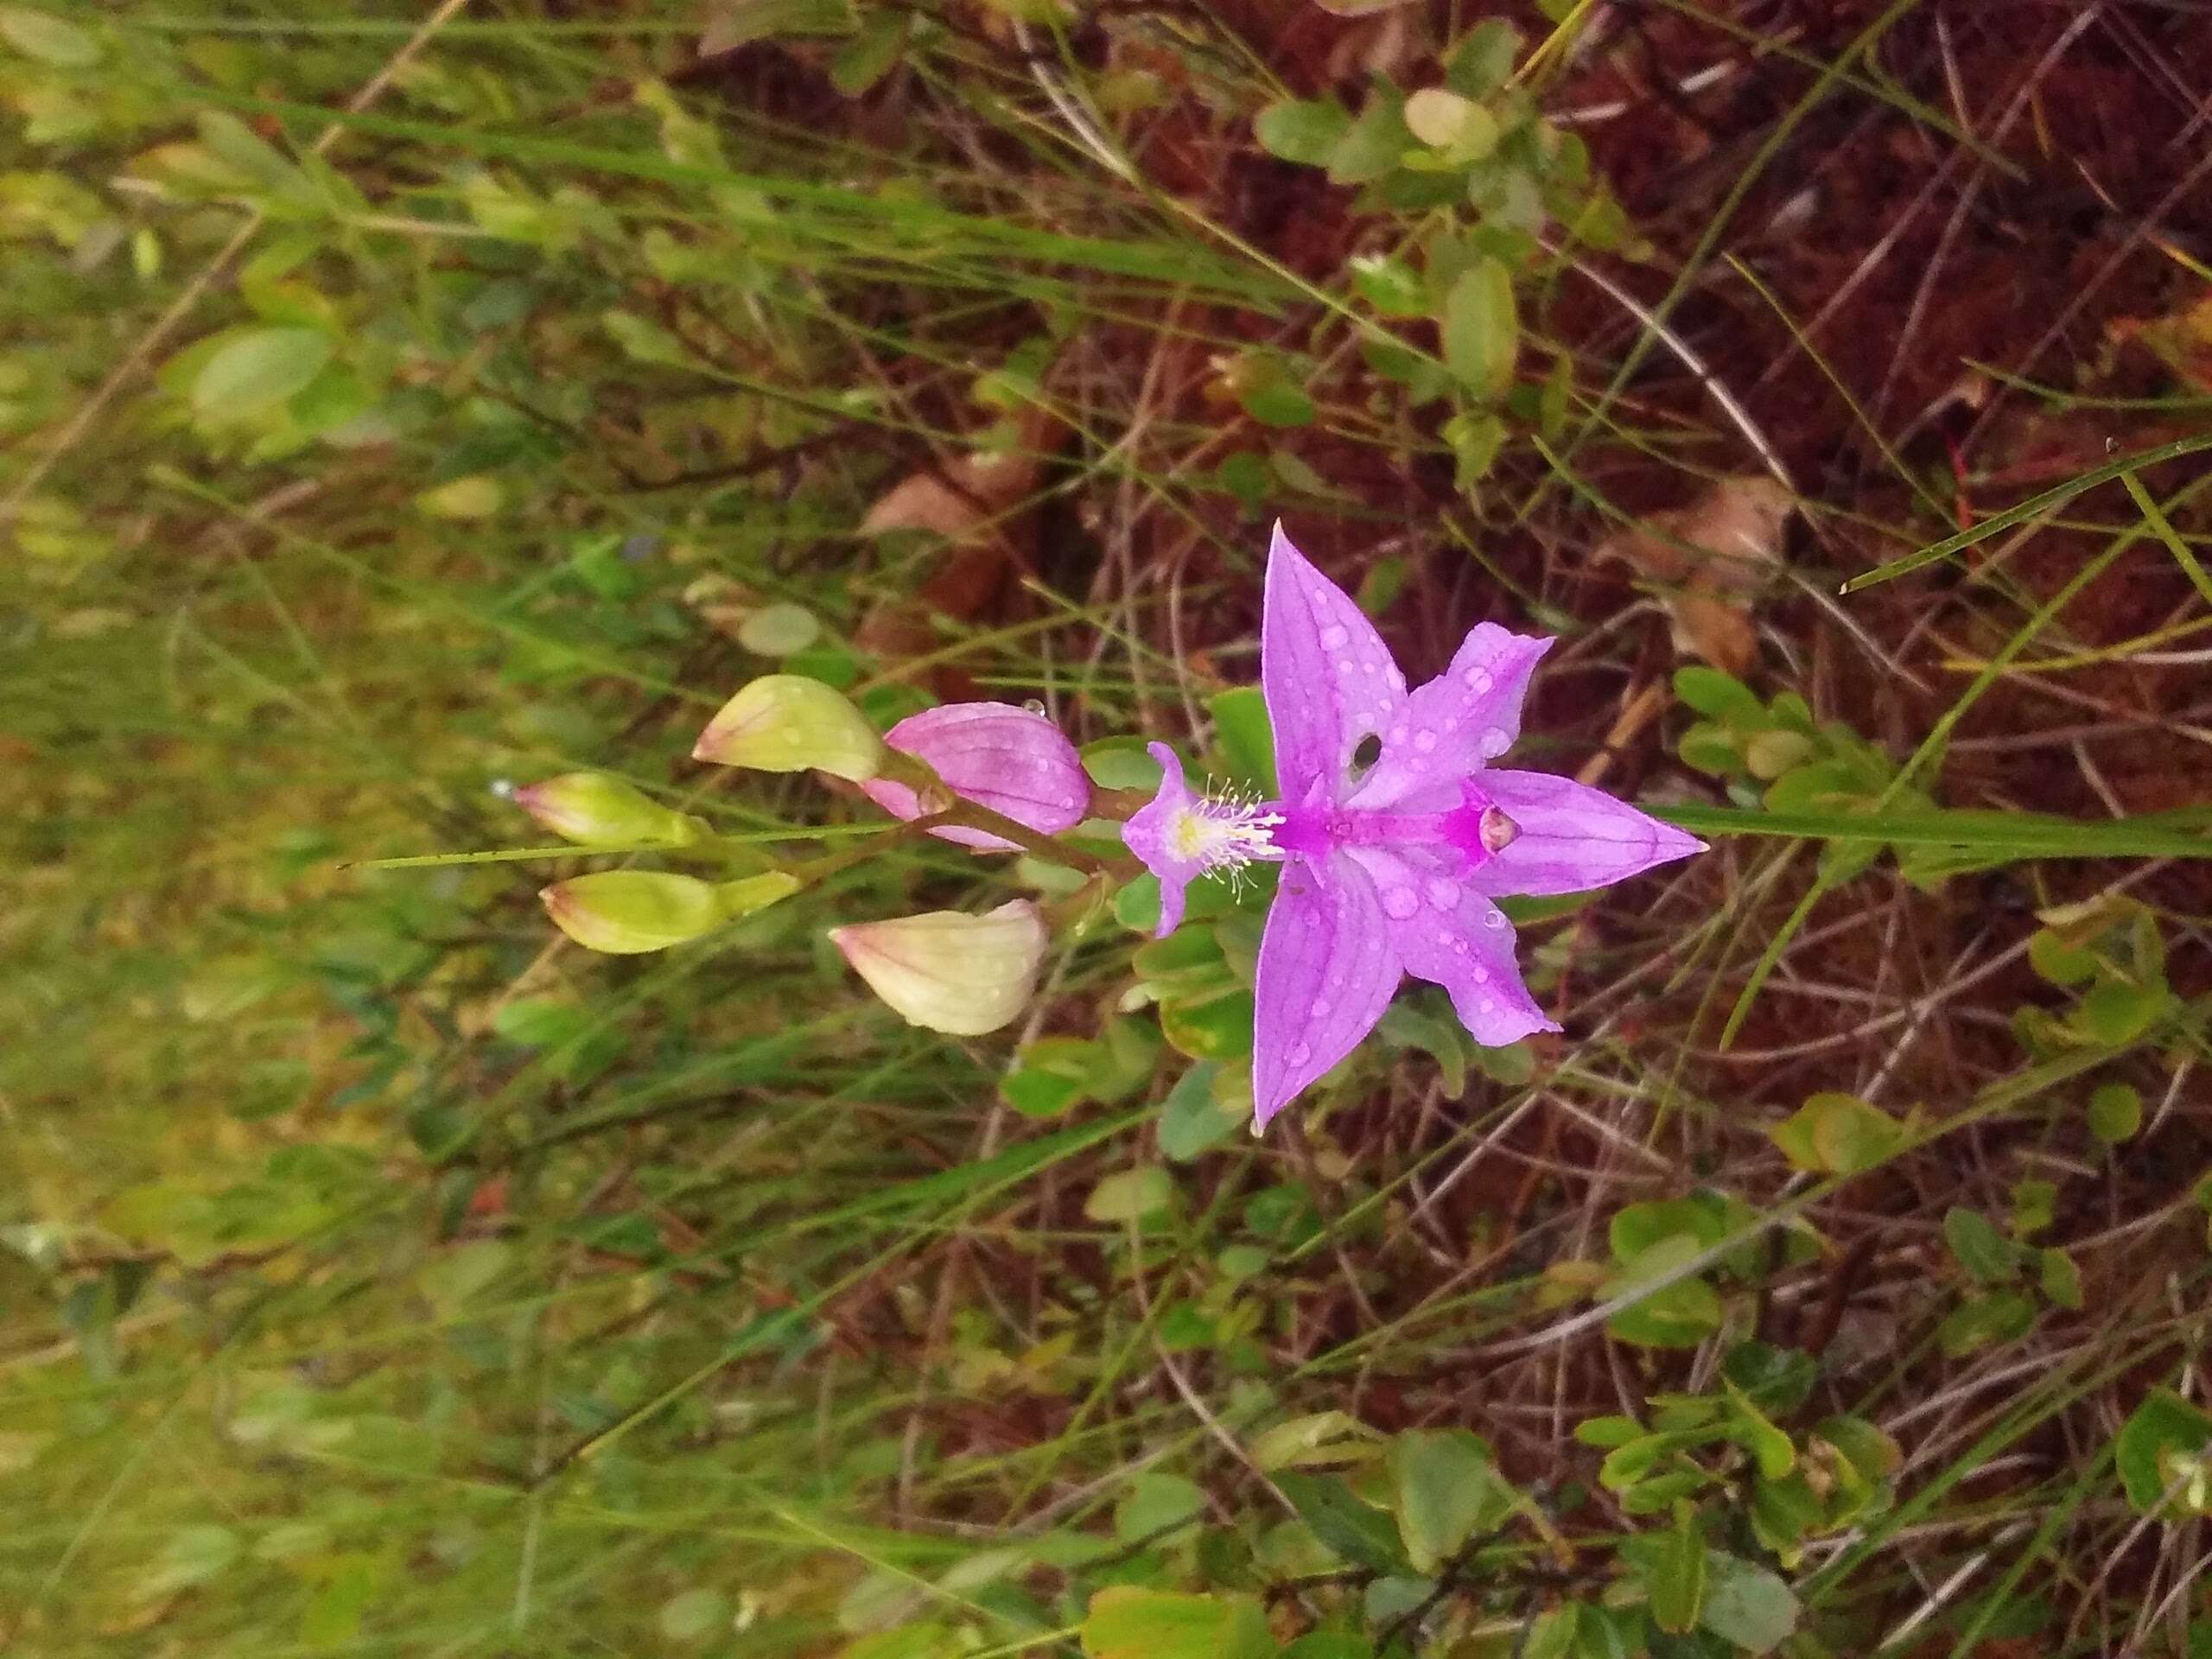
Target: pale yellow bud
{"type": "Point", "coordinates": [595, 810]}
{"type": "Point", "coordinates": [949, 971]}
{"type": "Point", "coordinates": [787, 722]}
{"type": "Point", "coordinates": [625, 912]}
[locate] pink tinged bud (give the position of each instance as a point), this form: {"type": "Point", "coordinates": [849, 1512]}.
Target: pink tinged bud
{"type": "Point", "coordinates": [625, 912]}
{"type": "Point", "coordinates": [1496, 831]}
{"type": "Point", "coordinates": [787, 722]}
{"type": "Point", "coordinates": [594, 810]}
{"type": "Point", "coordinates": [1016, 763]}
{"type": "Point", "coordinates": [949, 971]}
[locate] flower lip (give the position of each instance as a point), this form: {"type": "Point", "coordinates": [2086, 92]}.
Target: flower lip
{"type": "Point", "coordinates": [1181, 835]}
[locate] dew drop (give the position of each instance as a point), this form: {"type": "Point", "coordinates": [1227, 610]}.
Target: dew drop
{"type": "Point", "coordinates": [1496, 919]}
{"type": "Point", "coordinates": [1478, 680]}
{"type": "Point", "coordinates": [1460, 947]}
{"type": "Point", "coordinates": [1495, 741]}
{"type": "Point", "coordinates": [1301, 1054]}
{"type": "Point", "coordinates": [1345, 666]}
{"type": "Point", "coordinates": [1321, 1009]}
{"type": "Point", "coordinates": [1333, 636]}
{"type": "Point", "coordinates": [1487, 1006]}
{"type": "Point", "coordinates": [1482, 975]}
{"type": "Point", "coordinates": [1397, 734]}
{"type": "Point", "coordinates": [1443, 892]}
{"type": "Point", "coordinates": [1034, 705]}
{"type": "Point", "coordinates": [1425, 740]}
{"type": "Point", "coordinates": [1336, 981]}
{"type": "Point", "coordinates": [1451, 724]}
{"type": "Point", "coordinates": [1400, 902]}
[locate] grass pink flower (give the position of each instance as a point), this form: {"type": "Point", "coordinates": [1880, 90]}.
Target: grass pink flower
{"type": "Point", "coordinates": [1016, 763]}
{"type": "Point", "coordinates": [1393, 870]}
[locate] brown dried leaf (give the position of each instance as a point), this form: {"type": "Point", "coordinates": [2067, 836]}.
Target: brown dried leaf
{"type": "Point", "coordinates": [974, 503]}
{"type": "Point", "coordinates": [1713, 558]}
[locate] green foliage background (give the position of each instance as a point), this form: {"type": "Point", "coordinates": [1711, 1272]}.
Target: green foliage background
{"type": "Point", "coordinates": [402, 404]}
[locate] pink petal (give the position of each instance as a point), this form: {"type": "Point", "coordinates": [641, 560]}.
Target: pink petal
{"type": "Point", "coordinates": [1016, 763]}
{"type": "Point", "coordinates": [1572, 837]}
{"type": "Point", "coordinates": [1457, 723]}
{"type": "Point", "coordinates": [1326, 972]}
{"type": "Point", "coordinates": [1149, 835]}
{"type": "Point", "coordinates": [1445, 931]}
{"type": "Point", "coordinates": [1327, 675]}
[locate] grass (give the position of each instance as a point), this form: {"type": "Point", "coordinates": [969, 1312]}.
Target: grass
{"type": "Point", "coordinates": [380, 1274]}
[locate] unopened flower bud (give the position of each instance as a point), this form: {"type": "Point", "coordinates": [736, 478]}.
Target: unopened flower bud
{"type": "Point", "coordinates": [752, 892]}
{"type": "Point", "coordinates": [594, 810]}
{"type": "Point", "coordinates": [627, 911]}
{"type": "Point", "coordinates": [787, 722]}
{"type": "Point", "coordinates": [1016, 763]}
{"type": "Point", "coordinates": [949, 971]}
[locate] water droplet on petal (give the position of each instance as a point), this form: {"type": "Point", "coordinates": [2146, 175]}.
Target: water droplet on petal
{"type": "Point", "coordinates": [1496, 919]}
{"type": "Point", "coordinates": [1397, 734]}
{"type": "Point", "coordinates": [1345, 666]}
{"type": "Point", "coordinates": [1450, 724]}
{"type": "Point", "coordinates": [1301, 1054]}
{"type": "Point", "coordinates": [1494, 741]}
{"type": "Point", "coordinates": [1443, 892]}
{"type": "Point", "coordinates": [1425, 740]}
{"type": "Point", "coordinates": [1334, 635]}
{"type": "Point", "coordinates": [1482, 974]}
{"type": "Point", "coordinates": [1034, 705]}
{"type": "Point", "coordinates": [1400, 902]}
{"type": "Point", "coordinates": [1321, 1009]}
{"type": "Point", "coordinates": [1460, 947]}
{"type": "Point", "coordinates": [1478, 680]}
{"type": "Point", "coordinates": [1336, 981]}
{"type": "Point", "coordinates": [1487, 1006]}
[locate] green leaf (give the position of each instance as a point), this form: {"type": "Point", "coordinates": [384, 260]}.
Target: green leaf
{"type": "Point", "coordinates": [1778, 1380]}
{"type": "Point", "coordinates": [2115, 1113]}
{"type": "Point", "coordinates": [1681, 1315]}
{"type": "Point", "coordinates": [256, 370]}
{"type": "Point", "coordinates": [1215, 1027]}
{"type": "Point", "coordinates": [1373, 144]}
{"type": "Point", "coordinates": [1980, 1248]}
{"type": "Point", "coordinates": [2116, 1012]}
{"type": "Point", "coordinates": [332, 1616]}
{"type": "Point", "coordinates": [1193, 1119]}
{"type": "Point", "coordinates": [2059, 961]}
{"type": "Point", "coordinates": [1131, 1195]}
{"type": "Point", "coordinates": [1357, 1532]}
{"type": "Point", "coordinates": [1748, 1604]}
{"type": "Point", "coordinates": [1389, 284]}
{"type": "Point", "coordinates": [1301, 129]}
{"type": "Point", "coordinates": [1330, 1644]}
{"type": "Point", "coordinates": [1407, 1026]}
{"type": "Point", "coordinates": [48, 39]}
{"type": "Point", "coordinates": [193, 1555]}
{"type": "Point", "coordinates": [1637, 1227]}
{"type": "Point", "coordinates": [1129, 1623]}
{"type": "Point", "coordinates": [1446, 1485]}
{"type": "Point", "coordinates": [1319, 1440]}
{"type": "Point", "coordinates": [1483, 62]}
{"type": "Point", "coordinates": [1247, 740]}
{"type": "Point", "coordinates": [1154, 1503]}
{"type": "Point", "coordinates": [1774, 1452]}
{"type": "Point", "coordinates": [1997, 1316]}
{"type": "Point", "coordinates": [1482, 329]}
{"type": "Point", "coordinates": [2060, 1279]}
{"type": "Point", "coordinates": [1675, 1575]}
{"type": "Point", "coordinates": [1837, 1134]}
{"type": "Point", "coordinates": [1721, 697]}
{"type": "Point", "coordinates": [2155, 1446]}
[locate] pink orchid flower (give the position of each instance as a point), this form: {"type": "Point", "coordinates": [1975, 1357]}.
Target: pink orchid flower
{"type": "Point", "coordinates": [1391, 870]}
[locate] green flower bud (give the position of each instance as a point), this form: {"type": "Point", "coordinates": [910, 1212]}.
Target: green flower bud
{"type": "Point", "coordinates": [594, 810]}
{"type": "Point", "coordinates": [787, 722]}
{"type": "Point", "coordinates": [742, 898]}
{"type": "Point", "coordinates": [626, 911]}
{"type": "Point", "coordinates": [949, 971]}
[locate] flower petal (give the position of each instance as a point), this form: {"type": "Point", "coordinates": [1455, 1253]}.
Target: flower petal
{"type": "Point", "coordinates": [1149, 835]}
{"type": "Point", "coordinates": [1452, 727]}
{"type": "Point", "coordinates": [1326, 972]}
{"type": "Point", "coordinates": [1445, 932]}
{"type": "Point", "coordinates": [1327, 677]}
{"type": "Point", "coordinates": [1572, 837]}
{"type": "Point", "coordinates": [1016, 763]}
